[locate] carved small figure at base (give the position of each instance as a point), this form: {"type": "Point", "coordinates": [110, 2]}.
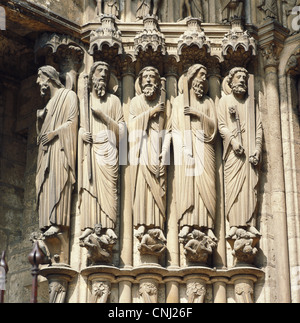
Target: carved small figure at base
{"type": "Point", "coordinates": [40, 239]}
{"type": "Point", "coordinates": [152, 243]}
{"type": "Point", "coordinates": [243, 243]}
{"type": "Point", "coordinates": [99, 244]}
{"type": "Point", "coordinates": [198, 246]}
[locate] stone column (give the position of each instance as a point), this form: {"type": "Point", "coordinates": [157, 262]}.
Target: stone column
{"type": "Point", "coordinates": [125, 290]}
{"type": "Point", "coordinates": [272, 36]}
{"type": "Point", "coordinates": [220, 254]}
{"type": "Point", "coordinates": [220, 289]}
{"type": "Point", "coordinates": [126, 236]}
{"type": "Point", "coordinates": [172, 289]}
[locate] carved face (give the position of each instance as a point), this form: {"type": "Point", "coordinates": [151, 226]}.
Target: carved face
{"type": "Point", "coordinates": [98, 229]}
{"type": "Point", "coordinates": [150, 84]}
{"type": "Point", "coordinates": [198, 83]}
{"type": "Point", "coordinates": [100, 80]}
{"type": "Point", "coordinates": [44, 83]}
{"type": "Point", "coordinates": [239, 83]}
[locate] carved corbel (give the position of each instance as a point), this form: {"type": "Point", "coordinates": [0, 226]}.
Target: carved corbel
{"type": "Point", "coordinates": [62, 52]}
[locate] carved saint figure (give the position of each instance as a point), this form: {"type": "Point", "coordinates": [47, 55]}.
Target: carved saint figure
{"type": "Point", "coordinates": [232, 9]}
{"type": "Point", "coordinates": [57, 140]}
{"type": "Point", "coordinates": [241, 129]}
{"type": "Point", "coordinates": [193, 8]}
{"type": "Point", "coordinates": [147, 171]}
{"type": "Point", "coordinates": [194, 127]}
{"type": "Point", "coordinates": [147, 7]}
{"type": "Point", "coordinates": [107, 7]}
{"type": "Point", "coordinates": [101, 126]}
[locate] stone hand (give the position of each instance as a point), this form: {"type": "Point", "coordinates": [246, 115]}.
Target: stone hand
{"type": "Point", "coordinates": [254, 159]}
{"type": "Point", "coordinates": [47, 138]}
{"type": "Point", "coordinates": [191, 111]}
{"type": "Point", "coordinates": [157, 109]}
{"type": "Point", "coordinates": [87, 138]}
{"type": "Point", "coordinates": [237, 147]}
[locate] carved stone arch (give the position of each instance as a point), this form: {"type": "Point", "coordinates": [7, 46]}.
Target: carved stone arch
{"type": "Point", "coordinates": [293, 64]}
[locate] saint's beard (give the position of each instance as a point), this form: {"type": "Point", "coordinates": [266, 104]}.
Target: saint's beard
{"type": "Point", "coordinates": [99, 87]}
{"type": "Point", "coordinates": [44, 89]}
{"type": "Point", "coordinates": [198, 87]}
{"type": "Point", "coordinates": [239, 89]}
{"type": "Point", "coordinates": [151, 91]}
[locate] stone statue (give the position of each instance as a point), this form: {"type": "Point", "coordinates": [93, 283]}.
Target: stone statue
{"type": "Point", "coordinates": [241, 129]}
{"type": "Point", "coordinates": [107, 7]}
{"type": "Point", "coordinates": [232, 9]}
{"type": "Point", "coordinates": [101, 126]}
{"type": "Point", "coordinates": [99, 244]}
{"type": "Point", "coordinates": [146, 123]}
{"type": "Point", "coordinates": [193, 8]}
{"type": "Point", "coordinates": [56, 164]}
{"type": "Point", "coordinates": [194, 127]}
{"type": "Point", "coordinates": [147, 7]}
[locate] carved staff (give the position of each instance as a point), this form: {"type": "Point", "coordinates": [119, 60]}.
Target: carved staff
{"type": "Point", "coordinates": [233, 111]}
{"type": "Point", "coordinates": [87, 123]}
{"type": "Point", "coordinates": [35, 257]}
{"type": "Point", "coordinates": [163, 99]}
{"type": "Point", "coordinates": [187, 118]}
{"type": "Point", "coordinates": [3, 265]}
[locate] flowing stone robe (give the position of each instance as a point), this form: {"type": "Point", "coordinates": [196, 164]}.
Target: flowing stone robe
{"type": "Point", "coordinates": [98, 198]}
{"type": "Point", "coordinates": [241, 177]}
{"type": "Point", "coordinates": [148, 191]}
{"type": "Point", "coordinates": [195, 187]}
{"type": "Point", "coordinates": [56, 162]}
{"type": "Point", "coordinates": [143, 8]}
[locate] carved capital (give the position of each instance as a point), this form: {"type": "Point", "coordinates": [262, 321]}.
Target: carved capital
{"type": "Point", "coordinates": [272, 36]}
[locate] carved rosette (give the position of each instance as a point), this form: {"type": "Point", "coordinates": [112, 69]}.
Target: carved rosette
{"type": "Point", "coordinates": [148, 291]}
{"type": "Point", "coordinates": [150, 38]}
{"type": "Point", "coordinates": [193, 36]}
{"type": "Point", "coordinates": [196, 291]}
{"type": "Point", "coordinates": [108, 34]}
{"type": "Point", "coordinates": [101, 291]}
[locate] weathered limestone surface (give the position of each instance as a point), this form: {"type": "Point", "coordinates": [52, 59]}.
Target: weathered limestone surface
{"type": "Point", "coordinates": [166, 254]}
